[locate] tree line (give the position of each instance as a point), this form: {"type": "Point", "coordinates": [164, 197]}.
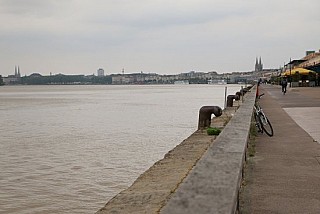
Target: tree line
{"type": "Point", "coordinates": [37, 79]}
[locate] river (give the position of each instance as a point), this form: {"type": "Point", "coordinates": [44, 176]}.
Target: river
{"type": "Point", "coordinates": [69, 149]}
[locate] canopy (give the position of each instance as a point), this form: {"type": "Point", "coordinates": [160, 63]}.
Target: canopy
{"type": "Point", "coordinates": [301, 71]}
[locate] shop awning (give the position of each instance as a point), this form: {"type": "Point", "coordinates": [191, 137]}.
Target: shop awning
{"type": "Point", "coordinates": [301, 71]}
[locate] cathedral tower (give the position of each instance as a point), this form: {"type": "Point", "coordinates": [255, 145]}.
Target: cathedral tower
{"type": "Point", "coordinates": [258, 65]}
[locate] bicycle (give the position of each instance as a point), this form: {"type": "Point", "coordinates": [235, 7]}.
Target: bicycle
{"type": "Point", "coordinates": [262, 122]}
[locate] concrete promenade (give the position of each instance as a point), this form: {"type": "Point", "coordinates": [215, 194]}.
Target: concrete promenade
{"type": "Point", "coordinates": [284, 174]}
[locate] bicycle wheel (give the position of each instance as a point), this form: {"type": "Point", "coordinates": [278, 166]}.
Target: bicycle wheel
{"type": "Point", "coordinates": [266, 125]}
{"type": "Point", "coordinates": [258, 123]}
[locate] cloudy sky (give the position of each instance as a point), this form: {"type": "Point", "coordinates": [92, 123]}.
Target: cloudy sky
{"type": "Point", "coordinates": [156, 36]}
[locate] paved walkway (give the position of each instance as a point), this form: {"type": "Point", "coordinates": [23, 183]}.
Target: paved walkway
{"type": "Point", "coordinates": [284, 174]}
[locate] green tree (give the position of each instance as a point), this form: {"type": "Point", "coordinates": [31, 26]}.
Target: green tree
{"type": "Point", "coordinates": [1, 80]}
{"type": "Point", "coordinates": [101, 80]}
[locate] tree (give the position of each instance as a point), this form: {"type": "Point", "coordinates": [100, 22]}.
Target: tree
{"type": "Point", "coordinates": [1, 80]}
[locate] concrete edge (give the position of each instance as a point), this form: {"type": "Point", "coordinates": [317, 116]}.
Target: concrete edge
{"type": "Point", "coordinates": [213, 184]}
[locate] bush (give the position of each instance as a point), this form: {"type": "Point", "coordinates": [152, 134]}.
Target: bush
{"type": "Point", "coordinates": [213, 131]}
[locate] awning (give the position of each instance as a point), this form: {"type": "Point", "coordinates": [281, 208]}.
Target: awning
{"type": "Point", "coordinates": [301, 71]}
{"type": "Point", "coordinates": [296, 61]}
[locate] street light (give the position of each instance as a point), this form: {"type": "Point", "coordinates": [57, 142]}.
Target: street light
{"type": "Point", "coordinates": [290, 74]}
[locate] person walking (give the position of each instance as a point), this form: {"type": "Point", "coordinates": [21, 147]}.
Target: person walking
{"type": "Point", "coordinates": [284, 84]}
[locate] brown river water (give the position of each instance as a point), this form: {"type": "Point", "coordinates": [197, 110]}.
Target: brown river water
{"type": "Point", "coordinates": [70, 149]}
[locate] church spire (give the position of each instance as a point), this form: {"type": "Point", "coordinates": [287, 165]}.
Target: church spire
{"type": "Point", "coordinates": [258, 65]}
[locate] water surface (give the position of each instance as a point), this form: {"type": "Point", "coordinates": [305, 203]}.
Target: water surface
{"type": "Point", "coordinates": [69, 149]}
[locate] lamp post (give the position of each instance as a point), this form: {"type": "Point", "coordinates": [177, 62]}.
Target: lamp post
{"type": "Point", "coordinates": [290, 74]}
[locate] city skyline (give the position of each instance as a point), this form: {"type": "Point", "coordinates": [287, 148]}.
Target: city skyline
{"type": "Point", "coordinates": [163, 37]}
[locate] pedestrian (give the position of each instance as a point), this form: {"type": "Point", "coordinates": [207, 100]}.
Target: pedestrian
{"type": "Point", "coordinates": [284, 84]}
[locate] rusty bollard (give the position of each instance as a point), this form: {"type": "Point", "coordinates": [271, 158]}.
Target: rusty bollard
{"type": "Point", "coordinates": [205, 113]}
{"type": "Point", "coordinates": [243, 91]}
{"type": "Point", "coordinates": [230, 99]}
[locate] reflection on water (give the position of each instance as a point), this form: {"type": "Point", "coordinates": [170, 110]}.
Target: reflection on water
{"type": "Point", "coordinates": [69, 149]}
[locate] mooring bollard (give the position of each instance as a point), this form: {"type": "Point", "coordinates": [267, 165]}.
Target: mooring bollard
{"type": "Point", "coordinates": [243, 91]}
{"type": "Point", "coordinates": [205, 113]}
{"type": "Point", "coordinates": [237, 97]}
{"type": "Point", "coordinates": [230, 99]}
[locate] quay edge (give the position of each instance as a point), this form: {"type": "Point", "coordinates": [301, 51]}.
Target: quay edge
{"type": "Point", "coordinates": [200, 175]}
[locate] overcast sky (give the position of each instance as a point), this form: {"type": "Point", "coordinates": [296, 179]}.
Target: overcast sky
{"type": "Point", "coordinates": [154, 36]}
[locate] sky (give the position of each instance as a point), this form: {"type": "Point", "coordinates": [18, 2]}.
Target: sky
{"type": "Point", "coordinates": [154, 36]}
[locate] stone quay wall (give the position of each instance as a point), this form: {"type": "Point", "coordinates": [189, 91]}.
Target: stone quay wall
{"type": "Point", "coordinates": [201, 175]}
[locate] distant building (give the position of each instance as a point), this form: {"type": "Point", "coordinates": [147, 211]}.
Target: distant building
{"type": "Point", "coordinates": [100, 72]}
{"type": "Point", "coordinates": [309, 52]}
{"type": "Point", "coordinates": [258, 65]}
{"type": "Point", "coordinates": [122, 79]}
{"type": "Point", "coordinates": [311, 61]}
{"type": "Point", "coordinates": [13, 79]}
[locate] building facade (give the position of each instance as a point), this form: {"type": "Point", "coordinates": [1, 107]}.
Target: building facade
{"type": "Point", "coordinates": [100, 72]}
{"type": "Point", "coordinates": [13, 79]}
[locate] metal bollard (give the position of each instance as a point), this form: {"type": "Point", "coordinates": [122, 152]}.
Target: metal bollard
{"type": "Point", "coordinates": [237, 97]}
{"type": "Point", "coordinates": [246, 90]}
{"type": "Point", "coordinates": [205, 113]}
{"type": "Point", "coordinates": [230, 99]}
{"type": "Point", "coordinates": [243, 91]}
